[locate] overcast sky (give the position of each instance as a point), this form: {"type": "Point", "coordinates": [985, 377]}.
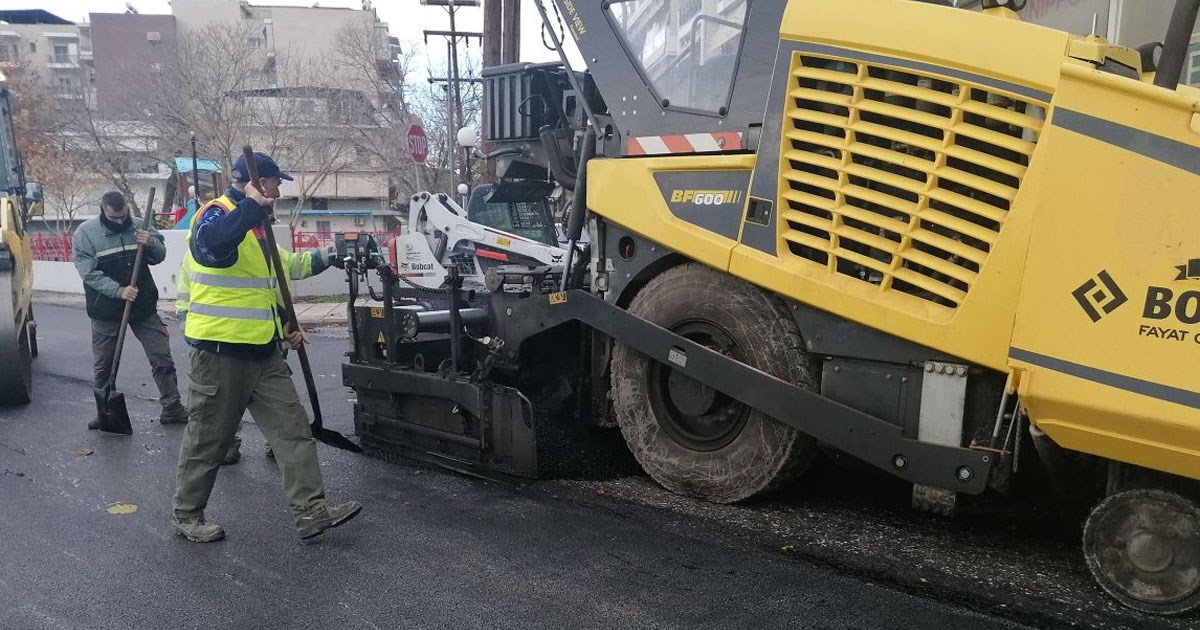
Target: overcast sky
{"type": "Point", "coordinates": [406, 19]}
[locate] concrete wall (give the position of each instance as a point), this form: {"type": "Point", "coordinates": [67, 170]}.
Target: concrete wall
{"type": "Point", "coordinates": [61, 277]}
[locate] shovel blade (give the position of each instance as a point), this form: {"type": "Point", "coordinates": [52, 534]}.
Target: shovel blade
{"type": "Point", "coordinates": [334, 439]}
{"type": "Point", "coordinates": [110, 408]}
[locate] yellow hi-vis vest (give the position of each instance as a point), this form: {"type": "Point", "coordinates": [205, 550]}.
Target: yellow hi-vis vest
{"type": "Point", "coordinates": [298, 266]}
{"type": "Point", "coordinates": [234, 304]}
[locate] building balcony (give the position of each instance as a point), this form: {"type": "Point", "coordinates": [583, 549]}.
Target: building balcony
{"type": "Point", "coordinates": [62, 61]}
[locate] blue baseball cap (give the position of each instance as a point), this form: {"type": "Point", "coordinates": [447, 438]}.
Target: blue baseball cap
{"type": "Point", "coordinates": [265, 165]}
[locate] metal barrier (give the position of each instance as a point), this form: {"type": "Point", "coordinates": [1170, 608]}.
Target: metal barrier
{"type": "Point", "coordinates": [321, 240]}
{"type": "Point", "coordinates": [58, 246]}
{"type": "Point", "coordinates": [55, 247]}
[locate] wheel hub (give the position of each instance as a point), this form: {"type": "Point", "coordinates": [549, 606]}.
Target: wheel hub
{"type": "Point", "coordinates": [692, 413]}
{"type": "Point", "coordinates": [1143, 547]}
{"type": "Point", "coordinates": [690, 397]}
{"type": "Point", "coordinates": [1149, 552]}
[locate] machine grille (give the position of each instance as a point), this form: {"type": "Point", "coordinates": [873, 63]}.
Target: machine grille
{"type": "Point", "coordinates": [898, 178]}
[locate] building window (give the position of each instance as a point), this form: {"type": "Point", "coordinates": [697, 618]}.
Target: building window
{"type": "Point", "coordinates": [323, 226]}
{"type": "Point", "coordinates": [61, 54]}
{"type": "Point", "coordinates": [66, 85]}
{"type": "Point", "coordinates": [32, 47]}
{"type": "Point", "coordinates": [320, 203]}
{"type": "Point", "coordinates": [10, 53]}
{"type": "Point", "coordinates": [254, 42]}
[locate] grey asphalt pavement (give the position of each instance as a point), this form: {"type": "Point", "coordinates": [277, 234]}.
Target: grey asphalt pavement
{"type": "Point", "coordinates": [88, 544]}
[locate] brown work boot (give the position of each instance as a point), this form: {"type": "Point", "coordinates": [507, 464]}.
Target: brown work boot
{"type": "Point", "coordinates": [319, 519]}
{"type": "Point", "coordinates": [234, 454]}
{"type": "Point", "coordinates": [197, 530]}
{"type": "Point", "coordinates": [179, 415]}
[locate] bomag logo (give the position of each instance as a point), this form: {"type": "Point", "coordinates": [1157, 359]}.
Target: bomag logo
{"type": "Point", "coordinates": [706, 197]}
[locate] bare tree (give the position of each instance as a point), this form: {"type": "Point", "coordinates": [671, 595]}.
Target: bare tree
{"type": "Point", "coordinates": [68, 186]}
{"type": "Point", "coordinates": [203, 89]}
{"type": "Point", "coordinates": [433, 104]}
{"type": "Point", "coordinates": [404, 99]}
{"type": "Point", "coordinates": [111, 151]}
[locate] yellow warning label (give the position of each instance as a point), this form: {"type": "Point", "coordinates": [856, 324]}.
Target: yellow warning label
{"type": "Point", "coordinates": [503, 242]}
{"type": "Point", "coordinates": [377, 312]}
{"type": "Point", "coordinates": [558, 298]}
{"type": "Point", "coordinates": [381, 338]}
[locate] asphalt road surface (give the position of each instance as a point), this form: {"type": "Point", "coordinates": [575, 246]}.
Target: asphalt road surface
{"type": "Point", "coordinates": [88, 543]}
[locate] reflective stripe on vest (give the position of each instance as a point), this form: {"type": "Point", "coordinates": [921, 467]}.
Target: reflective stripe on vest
{"type": "Point", "coordinates": [233, 312]}
{"type": "Point", "coordinates": [233, 304]}
{"type": "Point", "coordinates": [231, 282]}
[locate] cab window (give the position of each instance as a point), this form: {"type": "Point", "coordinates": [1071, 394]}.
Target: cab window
{"type": "Point", "coordinates": [686, 50]}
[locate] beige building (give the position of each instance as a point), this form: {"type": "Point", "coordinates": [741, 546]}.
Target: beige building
{"type": "Point", "coordinates": [58, 50]}
{"type": "Point", "coordinates": [302, 54]}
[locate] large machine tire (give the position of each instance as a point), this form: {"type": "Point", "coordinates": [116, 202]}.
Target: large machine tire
{"type": "Point", "coordinates": [690, 438]}
{"type": "Point", "coordinates": [16, 374]}
{"type": "Point", "coordinates": [1143, 548]}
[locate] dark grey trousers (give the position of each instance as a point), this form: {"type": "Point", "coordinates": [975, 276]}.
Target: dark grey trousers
{"type": "Point", "coordinates": [152, 333]}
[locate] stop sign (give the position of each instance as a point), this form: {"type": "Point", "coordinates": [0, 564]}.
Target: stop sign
{"type": "Point", "coordinates": [418, 144]}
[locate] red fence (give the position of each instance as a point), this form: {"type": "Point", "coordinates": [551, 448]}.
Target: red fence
{"type": "Point", "coordinates": [51, 246]}
{"type": "Point", "coordinates": [321, 240]}
{"type": "Point", "coordinates": [58, 246]}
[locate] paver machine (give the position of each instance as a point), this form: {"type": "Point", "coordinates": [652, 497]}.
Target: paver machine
{"type": "Point", "coordinates": [18, 201]}
{"type": "Point", "coordinates": [958, 247]}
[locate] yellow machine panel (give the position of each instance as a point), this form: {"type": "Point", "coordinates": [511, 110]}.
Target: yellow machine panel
{"type": "Point", "coordinates": [1108, 324]}
{"type": "Point", "coordinates": [909, 175]}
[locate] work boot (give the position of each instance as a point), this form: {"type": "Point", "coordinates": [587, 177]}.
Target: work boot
{"type": "Point", "coordinates": [174, 416]}
{"type": "Point", "coordinates": [319, 519]}
{"type": "Point", "coordinates": [94, 423]}
{"type": "Point", "coordinates": [197, 530]}
{"type": "Point", "coordinates": [234, 454]}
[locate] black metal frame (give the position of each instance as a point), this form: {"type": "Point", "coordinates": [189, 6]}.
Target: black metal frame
{"type": "Point", "coordinates": [875, 441]}
{"type": "Point", "coordinates": [520, 317]}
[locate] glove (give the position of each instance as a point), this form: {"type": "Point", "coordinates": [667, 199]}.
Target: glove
{"type": "Point", "coordinates": [332, 259]}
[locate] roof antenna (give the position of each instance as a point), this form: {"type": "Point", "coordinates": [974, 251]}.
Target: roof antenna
{"type": "Point", "coordinates": [1095, 23]}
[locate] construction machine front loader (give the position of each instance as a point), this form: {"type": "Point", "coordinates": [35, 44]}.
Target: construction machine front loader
{"type": "Point", "coordinates": [18, 331]}
{"type": "Point", "coordinates": [950, 244]}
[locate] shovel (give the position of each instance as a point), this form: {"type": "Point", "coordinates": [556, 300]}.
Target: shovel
{"type": "Point", "coordinates": [110, 403]}
{"type": "Point", "coordinates": [328, 436]}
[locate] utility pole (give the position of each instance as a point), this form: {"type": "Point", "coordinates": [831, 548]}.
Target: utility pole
{"type": "Point", "coordinates": [454, 110]}
{"type": "Point", "coordinates": [512, 32]}
{"type": "Point", "coordinates": [493, 32]}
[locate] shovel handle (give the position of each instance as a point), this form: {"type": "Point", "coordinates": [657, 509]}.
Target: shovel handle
{"type": "Point", "coordinates": [281, 279]}
{"type": "Point", "coordinates": [133, 279]}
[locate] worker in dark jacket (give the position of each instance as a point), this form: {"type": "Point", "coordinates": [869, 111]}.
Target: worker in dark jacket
{"type": "Point", "coordinates": [104, 249]}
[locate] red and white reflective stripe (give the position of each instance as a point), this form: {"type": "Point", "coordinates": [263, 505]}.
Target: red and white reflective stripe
{"type": "Point", "coordinates": [685, 143]}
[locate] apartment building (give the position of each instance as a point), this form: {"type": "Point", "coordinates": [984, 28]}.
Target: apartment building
{"type": "Point", "coordinates": [58, 50]}
{"type": "Point", "coordinates": [299, 50]}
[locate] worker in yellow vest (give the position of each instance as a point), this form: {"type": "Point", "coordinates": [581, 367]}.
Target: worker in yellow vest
{"type": "Point", "coordinates": [298, 267]}
{"type": "Point", "coordinates": [234, 330]}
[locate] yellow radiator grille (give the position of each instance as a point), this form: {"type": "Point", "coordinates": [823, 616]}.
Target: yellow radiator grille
{"type": "Point", "coordinates": [899, 178]}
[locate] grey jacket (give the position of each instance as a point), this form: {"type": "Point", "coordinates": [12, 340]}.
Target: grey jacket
{"type": "Point", "coordinates": [104, 259]}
